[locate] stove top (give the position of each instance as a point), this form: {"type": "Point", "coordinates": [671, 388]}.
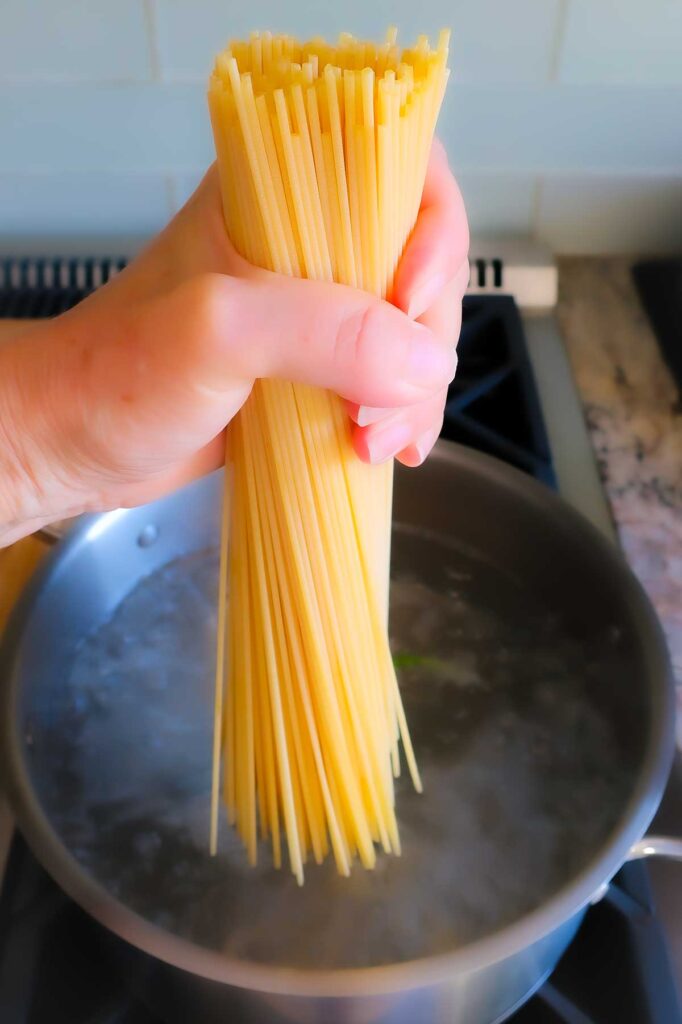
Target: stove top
{"type": "Point", "coordinates": [58, 966]}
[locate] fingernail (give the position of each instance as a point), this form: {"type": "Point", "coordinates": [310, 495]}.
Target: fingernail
{"type": "Point", "coordinates": [367, 414]}
{"type": "Point", "coordinates": [410, 457]}
{"type": "Point", "coordinates": [423, 445]}
{"type": "Point", "coordinates": [430, 363]}
{"type": "Point", "coordinates": [425, 294]}
{"type": "Point", "coordinates": [384, 443]}
{"type": "Point", "coordinates": [417, 452]}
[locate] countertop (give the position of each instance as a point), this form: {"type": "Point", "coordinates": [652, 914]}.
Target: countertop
{"type": "Point", "coordinates": [634, 415]}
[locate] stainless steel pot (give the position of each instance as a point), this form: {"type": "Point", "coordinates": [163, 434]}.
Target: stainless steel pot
{"type": "Point", "coordinates": [523, 793]}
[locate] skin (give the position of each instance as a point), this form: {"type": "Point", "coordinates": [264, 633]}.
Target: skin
{"type": "Point", "coordinates": [127, 396]}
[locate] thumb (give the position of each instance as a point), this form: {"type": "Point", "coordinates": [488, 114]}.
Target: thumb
{"type": "Point", "coordinates": [130, 393]}
{"type": "Point", "coordinates": [308, 331]}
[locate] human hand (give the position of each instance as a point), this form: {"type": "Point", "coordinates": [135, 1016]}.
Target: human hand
{"type": "Point", "coordinates": [126, 396]}
{"type": "Point", "coordinates": [431, 281]}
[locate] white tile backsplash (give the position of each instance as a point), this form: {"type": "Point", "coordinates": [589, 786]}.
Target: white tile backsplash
{"type": "Point", "coordinates": [561, 129]}
{"type": "Point", "coordinates": [191, 34]}
{"type": "Point", "coordinates": [104, 128]}
{"type": "Point", "coordinates": [498, 204]}
{"type": "Point", "coordinates": [492, 41]}
{"type": "Point", "coordinates": [69, 40]}
{"type": "Point", "coordinates": [165, 128]}
{"type": "Point", "coordinates": [584, 93]}
{"type": "Point", "coordinates": [622, 41]}
{"type": "Point", "coordinates": [182, 187]}
{"type": "Point", "coordinates": [499, 42]}
{"type": "Point", "coordinates": [43, 205]}
{"type": "Point", "coordinates": [595, 215]}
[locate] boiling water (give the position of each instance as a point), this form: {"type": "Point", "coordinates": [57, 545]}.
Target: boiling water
{"type": "Point", "coordinates": [523, 774]}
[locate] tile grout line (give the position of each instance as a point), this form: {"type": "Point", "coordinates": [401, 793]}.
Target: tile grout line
{"type": "Point", "coordinates": [151, 22]}
{"type": "Point", "coordinates": [558, 41]}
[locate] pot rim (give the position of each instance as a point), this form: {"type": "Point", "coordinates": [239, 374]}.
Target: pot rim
{"type": "Point", "coordinates": [384, 979]}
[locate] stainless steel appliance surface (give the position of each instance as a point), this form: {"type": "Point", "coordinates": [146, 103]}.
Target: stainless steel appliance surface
{"type": "Point", "coordinates": [428, 544]}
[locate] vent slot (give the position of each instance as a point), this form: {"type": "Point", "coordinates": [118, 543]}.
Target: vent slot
{"type": "Point", "coordinates": [37, 273]}
{"type": "Point", "coordinates": [486, 274]}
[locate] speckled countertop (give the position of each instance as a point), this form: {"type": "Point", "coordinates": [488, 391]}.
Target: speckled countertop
{"type": "Point", "coordinates": [635, 418]}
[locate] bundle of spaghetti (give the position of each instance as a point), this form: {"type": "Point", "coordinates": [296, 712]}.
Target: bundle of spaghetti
{"type": "Point", "coordinates": [322, 154]}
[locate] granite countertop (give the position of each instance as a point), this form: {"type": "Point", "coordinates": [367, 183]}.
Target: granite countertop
{"type": "Point", "coordinates": [634, 414]}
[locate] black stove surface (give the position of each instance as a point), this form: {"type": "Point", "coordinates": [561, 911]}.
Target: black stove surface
{"type": "Point", "coordinates": [659, 283]}
{"type": "Point", "coordinates": [57, 966]}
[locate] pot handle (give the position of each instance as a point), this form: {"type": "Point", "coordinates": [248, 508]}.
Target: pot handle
{"type": "Point", "coordinates": [649, 846]}
{"type": "Point", "coordinates": [656, 846]}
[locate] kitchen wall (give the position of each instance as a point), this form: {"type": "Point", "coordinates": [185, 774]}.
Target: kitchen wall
{"type": "Point", "coordinates": [563, 119]}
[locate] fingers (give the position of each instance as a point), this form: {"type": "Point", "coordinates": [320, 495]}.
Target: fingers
{"type": "Point", "coordinates": [157, 382]}
{"type": "Point", "coordinates": [439, 243]}
{"type": "Point", "coordinates": [161, 360]}
{"type": "Point", "coordinates": [430, 284]}
{"type": "Point", "coordinates": [397, 432]}
{"type": "Point", "coordinates": [444, 318]}
{"type": "Point", "coordinates": [312, 332]}
{"type": "Point", "coordinates": [415, 454]}
{"type": "Point", "coordinates": [416, 426]}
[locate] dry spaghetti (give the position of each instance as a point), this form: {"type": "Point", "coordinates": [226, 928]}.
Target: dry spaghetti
{"type": "Point", "coordinates": [322, 152]}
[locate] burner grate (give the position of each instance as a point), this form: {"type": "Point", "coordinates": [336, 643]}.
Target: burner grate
{"type": "Point", "coordinates": [493, 403]}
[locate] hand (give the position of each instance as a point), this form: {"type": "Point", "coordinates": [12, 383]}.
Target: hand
{"type": "Point", "coordinates": [126, 396]}
{"type": "Point", "coordinates": [431, 281]}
